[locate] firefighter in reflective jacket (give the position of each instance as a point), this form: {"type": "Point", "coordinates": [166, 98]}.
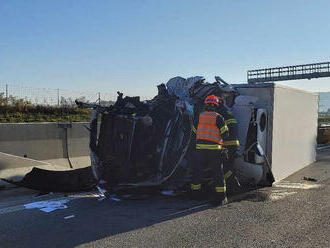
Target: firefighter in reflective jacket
{"type": "Point", "coordinates": [211, 130]}
{"type": "Point", "coordinates": [231, 143]}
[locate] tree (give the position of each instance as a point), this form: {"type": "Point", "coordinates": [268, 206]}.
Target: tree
{"type": "Point", "coordinates": [3, 99]}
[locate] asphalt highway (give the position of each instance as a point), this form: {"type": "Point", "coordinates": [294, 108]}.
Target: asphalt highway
{"type": "Point", "coordinates": [294, 213]}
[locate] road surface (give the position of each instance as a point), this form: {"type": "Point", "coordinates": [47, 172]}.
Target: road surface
{"type": "Point", "coordinates": [294, 213]}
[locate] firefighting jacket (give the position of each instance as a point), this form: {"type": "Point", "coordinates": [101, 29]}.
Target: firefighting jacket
{"type": "Point", "coordinates": [232, 139]}
{"type": "Point", "coordinates": [210, 131]}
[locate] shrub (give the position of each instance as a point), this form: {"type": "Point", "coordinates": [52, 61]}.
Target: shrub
{"type": "Point", "coordinates": [19, 110]}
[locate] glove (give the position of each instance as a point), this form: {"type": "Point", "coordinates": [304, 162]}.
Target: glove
{"type": "Point", "coordinates": [224, 154]}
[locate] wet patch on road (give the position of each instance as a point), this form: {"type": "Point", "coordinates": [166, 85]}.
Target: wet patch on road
{"type": "Point", "coordinates": [263, 195]}
{"type": "Point", "coordinates": [279, 191]}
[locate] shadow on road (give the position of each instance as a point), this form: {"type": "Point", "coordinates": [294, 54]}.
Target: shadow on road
{"type": "Point", "coordinates": [93, 220]}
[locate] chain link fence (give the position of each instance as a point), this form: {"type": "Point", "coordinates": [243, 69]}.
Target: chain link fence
{"type": "Point", "coordinates": [52, 97]}
{"type": "Point", "coordinates": [61, 97]}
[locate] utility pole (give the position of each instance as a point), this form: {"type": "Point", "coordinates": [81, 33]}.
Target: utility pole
{"type": "Point", "coordinates": [6, 94]}
{"type": "Point", "coordinates": [99, 98]}
{"type": "Point", "coordinates": [58, 97]}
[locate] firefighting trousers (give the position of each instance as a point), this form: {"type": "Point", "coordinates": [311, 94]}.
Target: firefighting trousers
{"type": "Point", "coordinates": [229, 163]}
{"type": "Point", "coordinates": [231, 179]}
{"type": "Point", "coordinates": [208, 162]}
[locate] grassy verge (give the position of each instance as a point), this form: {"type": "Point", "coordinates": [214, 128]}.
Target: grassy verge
{"type": "Point", "coordinates": [25, 112]}
{"type": "Point", "coordinates": [18, 114]}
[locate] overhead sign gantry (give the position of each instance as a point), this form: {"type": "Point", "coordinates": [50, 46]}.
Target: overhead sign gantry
{"type": "Point", "coordinates": [307, 71]}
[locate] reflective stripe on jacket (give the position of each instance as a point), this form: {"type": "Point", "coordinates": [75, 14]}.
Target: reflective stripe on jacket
{"type": "Point", "coordinates": [207, 128]}
{"type": "Point", "coordinates": [208, 147]}
{"type": "Point", "coordinates": [220, 189]}
{"type": "Point", "coordinates": [195, 186]}
{"type": "Point", "coordinates": [231, 143]}
{"type": "Point", "coordinates": [231, 121]}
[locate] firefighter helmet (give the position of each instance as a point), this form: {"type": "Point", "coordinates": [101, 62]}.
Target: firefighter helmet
{"type": "Point", "coordinates": [212, 99]}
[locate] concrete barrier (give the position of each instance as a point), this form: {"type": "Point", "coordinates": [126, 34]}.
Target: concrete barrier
{"type": "Point", "coordinates": [44, 141]}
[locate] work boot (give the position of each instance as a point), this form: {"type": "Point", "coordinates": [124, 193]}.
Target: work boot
{"type": "Point", "coordinates": [234, 186]}
{"type": "Point", "coordinates": [218, 201]}
{"type": "Point", "coordinates": [196, 195]}
{"type": "Point", "coordinates": [196, 191]}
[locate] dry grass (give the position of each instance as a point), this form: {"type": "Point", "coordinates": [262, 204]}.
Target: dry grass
{"type": "Point", "coordinates": [30, 113]}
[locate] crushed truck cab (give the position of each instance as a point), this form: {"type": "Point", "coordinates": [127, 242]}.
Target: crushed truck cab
{"type": "Point", "coordinates": [150, 144]}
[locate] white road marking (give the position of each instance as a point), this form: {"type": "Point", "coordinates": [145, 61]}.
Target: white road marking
{"type": "Point", "coordinates": [29, 159]}
{"type": "Point", "coordinates": [70, 198]}
{"type": "Point", "coordinates": [289, 185]}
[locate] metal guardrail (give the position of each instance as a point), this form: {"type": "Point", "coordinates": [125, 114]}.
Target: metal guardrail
{"type": "Point", "coordinates": [307, 71]}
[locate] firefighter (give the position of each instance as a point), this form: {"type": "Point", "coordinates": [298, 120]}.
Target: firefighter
{"type": "Point", "coordinates": [208, 156]}
{"type": "Point", "coordinates": [231, 143]}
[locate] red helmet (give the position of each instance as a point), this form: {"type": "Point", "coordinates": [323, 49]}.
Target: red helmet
{"type": "Point", "coordinates": [212, 99]}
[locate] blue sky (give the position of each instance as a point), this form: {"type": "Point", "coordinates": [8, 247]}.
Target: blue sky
{"type": "Point", "coordinates": [134, 45]}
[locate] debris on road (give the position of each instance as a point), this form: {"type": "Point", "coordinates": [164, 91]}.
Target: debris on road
{"type": "Point", "coordinates": [57, 181]}
{"type": "Point", "coordinates": [168, 193]}
{"type": "Point", "coordinates": [309, 179]}
{"type": "Point", "coordinates": [48, 206]}
{"type": "Point", "coordinates": [114, 197]}
{"type": "Point", "coordinates": [69, 217]}
{"type": "Point", "coordinates": [101, 193]}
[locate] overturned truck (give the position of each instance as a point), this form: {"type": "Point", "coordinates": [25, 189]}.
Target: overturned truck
{"type": "Point", "coordinates": [150, 144]}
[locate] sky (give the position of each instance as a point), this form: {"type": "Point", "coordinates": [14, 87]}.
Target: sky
{"type": "Point", "coordinates": [133, 45]}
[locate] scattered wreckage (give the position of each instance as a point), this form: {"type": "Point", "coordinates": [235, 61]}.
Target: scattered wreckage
{"type": "Point", "coordinates": [148, 145]}
{"type": "Point", "coordinates": [76, 180]}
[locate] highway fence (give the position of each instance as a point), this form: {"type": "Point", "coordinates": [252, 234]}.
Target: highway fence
{"type": "Point", "coordinates": [63, 97]}
{"type": "Point", "coordinates": [10, 93]}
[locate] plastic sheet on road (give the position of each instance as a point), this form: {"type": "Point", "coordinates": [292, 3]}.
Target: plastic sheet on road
{"type": "Point", "coordinates": [48, 206]}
